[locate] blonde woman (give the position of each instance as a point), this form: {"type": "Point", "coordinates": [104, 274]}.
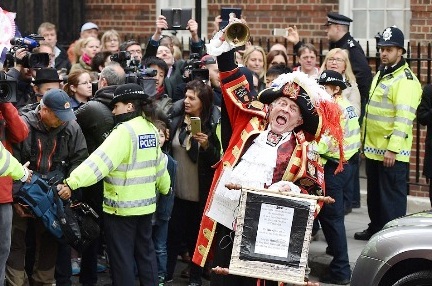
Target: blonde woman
{"type": "Point", "coordinates": [337, 59]}
{"type": "Point", "coordinates": [254, 58]}
{"type": "Point", "coordinates": [88, 47]}
{"type": "Point", "coordinates": [110, 41]}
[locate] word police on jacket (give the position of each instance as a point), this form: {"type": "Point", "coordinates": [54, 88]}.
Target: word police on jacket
{"type": "Point", "coordinates": [147, 141]}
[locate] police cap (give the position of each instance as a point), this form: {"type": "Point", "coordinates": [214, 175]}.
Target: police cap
{"type": "Point", "coordinates": [392, 37]}
{"type": "Point", "coordinates": [335, 18]}
{"type": "Point", "coordinates": [127, 92]}
{"type": "Point", "coordinates": [332, 77]}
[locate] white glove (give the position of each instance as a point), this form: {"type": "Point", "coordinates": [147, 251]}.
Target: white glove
{"type": "Point", "coordinates": [26, 173]}
{"type": "Point", "coordinates": [285, 186]}
{"type": "Point", "coordinates": [218, 45]}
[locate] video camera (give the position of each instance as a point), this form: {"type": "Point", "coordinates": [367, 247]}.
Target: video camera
{"type": "Point", "coordinates": [124, 59]}
{"type": "Point", "coordinates": [31, 60]}
{"type": "Point", "coordinates": [8, 88]}
{"type": "Point", "coordinates": [192, 68]}
{"type": "Point", "coordinates": [145, 78]}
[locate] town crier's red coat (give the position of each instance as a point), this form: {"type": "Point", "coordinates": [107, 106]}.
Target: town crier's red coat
{"type": "Point", "coordinates": [248, 118]}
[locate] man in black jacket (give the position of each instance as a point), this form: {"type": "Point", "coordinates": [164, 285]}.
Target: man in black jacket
{"type": "Point", "coordinates": [163, 47]}
{"type": "Point", "coordinates": [55, 146]}
{"type": "Point", "coordinates": [339, 36]}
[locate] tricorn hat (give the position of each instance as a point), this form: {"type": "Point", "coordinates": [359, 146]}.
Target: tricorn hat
{"type": "Point", "coordinates": [320, 114]}
{"type": "Point", "coordinates": [128, 91]}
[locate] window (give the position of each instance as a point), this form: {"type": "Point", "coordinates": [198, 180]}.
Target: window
{"type": "Point", "coordinates": [377, 15]}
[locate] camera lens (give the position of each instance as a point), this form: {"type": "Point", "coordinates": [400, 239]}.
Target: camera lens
{"type": "Point", "coordinates": [40, 60]}
{"type": "Point", "coordinates": [5, 92]}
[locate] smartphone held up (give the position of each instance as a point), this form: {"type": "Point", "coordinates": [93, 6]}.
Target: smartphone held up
{"type": "Point", "coordinates": [195, 125]}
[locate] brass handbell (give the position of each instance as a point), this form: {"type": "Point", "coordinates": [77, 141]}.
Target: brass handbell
{"type": "Point", "coordinates": [237, 34]}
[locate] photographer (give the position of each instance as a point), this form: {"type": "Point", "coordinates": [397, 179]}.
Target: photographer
{"type": "Point", "coordinates": [27, 58]}
{"type": "Point", "coordinates": [209, 63]}
{"type": "Point", "coordinates": [161, 99]}
{"type": "Point", "coordinates": [24, 76]}
{"type": "Point", "coordinates": [206, 69]}
{"type": "Point", "coordinates": [162, 47]}
{"type": "Point", "coordinates": [134, 48]}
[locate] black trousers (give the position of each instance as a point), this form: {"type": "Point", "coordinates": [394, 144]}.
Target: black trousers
{"type": "Point", "coordinates": [129, 241]}
{"type": "Point", "coordinates": [183, 228]}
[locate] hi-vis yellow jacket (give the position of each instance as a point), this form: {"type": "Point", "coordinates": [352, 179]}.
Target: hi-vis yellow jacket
{"type": "Point", "coordinates": [390, 112]}
{"type": "Point", "coordinates": [133, 168]}
{"type": "Point", "coordinates": [328, 149]}
{"type": "Point", "coordinates": [9, 165]}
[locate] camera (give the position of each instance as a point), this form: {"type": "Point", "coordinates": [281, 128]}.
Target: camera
{"type": "Point", "coordinates": [145, 79]}
{"type": "Point", "coordinates": [192, 68]}
{"type": "Point", "coordinates": [124, 59]}
{"type": "Point", "coordinates": [8, 88]}
{"type": "Point", "coordinates": [121, 57]}
{"type": "Point", "coordinates": [31, 60]}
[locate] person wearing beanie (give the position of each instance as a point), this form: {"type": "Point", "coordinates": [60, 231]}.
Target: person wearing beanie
{"type": "Point", "coordinates": [133, 168]}
{"type": "Point", "coordinates": [387, 133]}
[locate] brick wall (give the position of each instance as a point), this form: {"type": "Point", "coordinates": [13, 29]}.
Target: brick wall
{"type": "Point", "coordinates": [136, 19]}
{"type": "Point", "coordinates": [131, 18]}
{"type": "Point", "coordinates": [262, 17]}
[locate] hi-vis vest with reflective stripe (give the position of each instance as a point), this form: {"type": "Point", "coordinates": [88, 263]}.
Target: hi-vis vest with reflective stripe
{"type": "Point", "coordinates": [133, 168]}
{"type": "Point", "coordinates": [351, 127]}
{"type": "Point", "coordinates": [9, 166]}
{"type": "Point", "coordinates": [390, 113]}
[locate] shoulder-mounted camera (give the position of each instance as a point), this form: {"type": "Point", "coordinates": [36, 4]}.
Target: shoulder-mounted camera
{"type": "Point", "coordinates": [8, 88]}
{"type": "Point", "coordinates": [31, 60]}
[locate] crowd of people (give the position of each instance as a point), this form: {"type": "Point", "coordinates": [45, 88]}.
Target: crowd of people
{"type": "Point", "coordinates": [119, 133]}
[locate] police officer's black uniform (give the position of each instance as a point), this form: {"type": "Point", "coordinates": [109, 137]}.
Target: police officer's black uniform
{"type": "Point", "coordinates": [357, 57]}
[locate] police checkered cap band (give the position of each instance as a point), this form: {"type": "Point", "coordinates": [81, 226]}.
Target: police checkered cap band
{"type": "Point", "coordinates": [340, 22]}
{"type": "Point", "coordinates": [130, 91]}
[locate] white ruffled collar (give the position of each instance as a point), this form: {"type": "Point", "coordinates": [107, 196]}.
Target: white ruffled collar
{"type": "Point", "coordinates": [257, 164]}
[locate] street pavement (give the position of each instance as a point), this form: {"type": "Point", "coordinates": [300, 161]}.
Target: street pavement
{"type": "Point", "coordinates": [356, 221]}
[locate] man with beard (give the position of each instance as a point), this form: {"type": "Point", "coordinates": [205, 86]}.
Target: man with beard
{"type": "Point", "coordinates": [387, 133]}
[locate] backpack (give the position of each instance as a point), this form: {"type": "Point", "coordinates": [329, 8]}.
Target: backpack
{"type": "Point", "coordinates": [73, 222]}
{"type": "Point", "coordinates": [40, 198]}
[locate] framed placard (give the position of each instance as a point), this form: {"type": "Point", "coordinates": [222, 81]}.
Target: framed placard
{"type": "Point", "coordinates": [273, 235]}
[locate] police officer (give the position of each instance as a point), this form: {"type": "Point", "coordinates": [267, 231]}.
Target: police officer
{"type": "Point", "coordinates": [387, 136]}
{"type": "Point", "coordinates": [331, 216]}
{"type": "Point", "coordinates": [133, 167]}
{"type": "Point", "coordinates": [339, 36]}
